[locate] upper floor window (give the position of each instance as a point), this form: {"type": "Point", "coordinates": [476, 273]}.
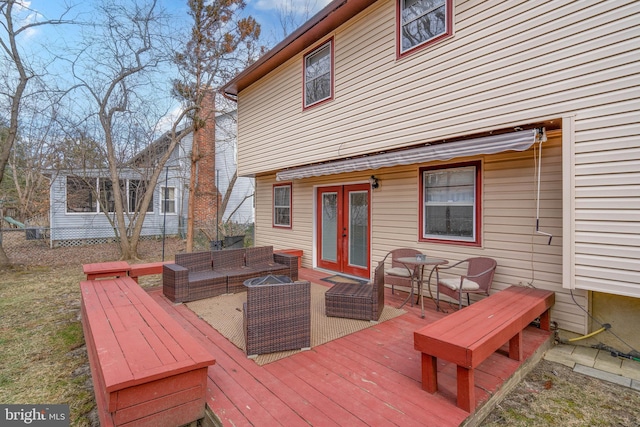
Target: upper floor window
{"type": "Point", "coordinates": [423, 21]}
{"type": "Point", "coordinates": [450, 203]}
{"type": "Point", "coordinates": [282, 205]}
{"type": "Point", "coordinates": [318, 75]}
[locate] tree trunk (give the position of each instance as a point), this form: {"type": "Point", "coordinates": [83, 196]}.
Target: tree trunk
{"type": "Point", "coordinates": [192, 195]}
{"type": "Point", "coordinates": [4, 260]}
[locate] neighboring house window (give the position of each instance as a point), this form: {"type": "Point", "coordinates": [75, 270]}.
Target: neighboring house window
{"type": "Point", "coordinates": [168, 200]}
{"type": "Point", "coordinates": [81, 194]}
{"type": "Point", "coordinates": [421, 22]}
{"type": "Point", "coordinates": [137, 190]}
{"type": "Point", "coordinates": [282, 205]}
{"type": "Point", "coordinates": [450, 203]}
{"type": "Point", "coordinates": [107, 196]}
{"type": "Point", "coordinates": [318, 75]}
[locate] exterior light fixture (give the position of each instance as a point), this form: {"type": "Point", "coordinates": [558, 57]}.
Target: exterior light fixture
{"type": "Point", "coordinates": [374, 182]}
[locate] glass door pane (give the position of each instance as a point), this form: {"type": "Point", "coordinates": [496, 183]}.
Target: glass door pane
{"type": "Point", "coordinates": [329, 227]}
{"type": "Point", "coordinates": [358, 228]}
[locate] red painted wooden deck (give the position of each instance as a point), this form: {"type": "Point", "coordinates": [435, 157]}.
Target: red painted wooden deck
{"type": "Point", "coordinates": [372, 377]}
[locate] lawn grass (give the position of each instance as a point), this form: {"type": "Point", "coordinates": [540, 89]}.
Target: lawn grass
{"type": "Point", "coordinates": [42, 355]}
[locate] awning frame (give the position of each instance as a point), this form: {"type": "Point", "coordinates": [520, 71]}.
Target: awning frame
{"type": "Point", "coordinates": [492, 144]}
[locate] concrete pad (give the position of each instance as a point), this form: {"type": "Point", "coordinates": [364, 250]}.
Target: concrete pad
{"type": "Point", "coordinates": [563, 349]}
{"type": "Point", "coordinates": [602, 375]}
{"type": "Point", "coordinates": [584, 355]}
{"type": "Point", "coordinates": [631, 369]}
{"type": "Point", "coordinates": [635, 385]}
{"type": "Point", "coordinates": [606, 362]}
{"type": "Point", "coordinates": [561, 354]}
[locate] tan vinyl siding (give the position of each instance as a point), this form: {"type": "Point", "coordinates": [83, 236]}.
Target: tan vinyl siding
{"type": "Point", "coordinates": [508, 64]}
{"type": "Point", "coordinates": [509, 212]}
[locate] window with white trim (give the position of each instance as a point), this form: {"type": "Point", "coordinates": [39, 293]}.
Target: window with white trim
{"type": "Point", "coordinates": [282, 205]}
{"type": "Point", "coordinates": [318, 79]}
{"type": "Point", "coordinates": [137, 190]}
{"type": "Point", "coordinates": [81, 195]}
{"type": "Point", "coordinates": [422, 21]}
{"type": "Point", "coordinates": [450, 203]}
{"type": "Point", "coordinates": [168, 200]}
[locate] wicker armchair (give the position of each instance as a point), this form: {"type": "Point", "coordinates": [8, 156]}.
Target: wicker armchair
{"type": "Point", "coordinates": [476, 280]}
{"type": "Point", "coordinates": [357, 301]}
{"type": "Point", "coordinates": [277, 316]}
{"type": "Point", "coordinates": [398, 274]}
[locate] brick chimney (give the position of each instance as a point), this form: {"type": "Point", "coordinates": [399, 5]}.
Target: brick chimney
{"type": "Point", "coordinates": [207, 199]}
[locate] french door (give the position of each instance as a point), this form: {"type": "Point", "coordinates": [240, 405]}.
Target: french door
{"type": "Point", "coordinates": [343, 221]}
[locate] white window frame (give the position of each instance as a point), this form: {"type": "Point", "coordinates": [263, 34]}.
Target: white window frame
{"type": "Point", "coordinates": [163, 200]}
{"type": "Point", "coordinates": [474, 239]}
{"type": "Point", "coordinates": [276, 207]}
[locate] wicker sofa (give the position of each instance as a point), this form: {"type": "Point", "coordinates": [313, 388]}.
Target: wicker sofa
{"type": "Point", "coordinates": [199, 275]}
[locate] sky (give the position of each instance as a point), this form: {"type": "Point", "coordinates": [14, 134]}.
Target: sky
{"type": "Point", "coordinates": [67, 38]}
{"type": "Point", "coordinates": [266, 12]}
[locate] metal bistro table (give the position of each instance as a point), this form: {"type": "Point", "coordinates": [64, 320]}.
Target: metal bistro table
{"type": "Point", "coordinates": [416, 266]}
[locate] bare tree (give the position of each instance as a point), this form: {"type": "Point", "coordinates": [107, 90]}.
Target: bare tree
{"type": "Point", "coordinates": [293, 13]}
{"type": "Point", "coordinates": [219, 45]}
{"type": "Point", "coordinates": [18, 72]}
{"type": "Point", "coordinates": [123, 63]}
{"type": "Point", "coordinates": [115, 71]}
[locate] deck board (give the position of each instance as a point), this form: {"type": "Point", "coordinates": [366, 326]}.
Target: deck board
{"type": "Point", "coordinates": [371, 377]}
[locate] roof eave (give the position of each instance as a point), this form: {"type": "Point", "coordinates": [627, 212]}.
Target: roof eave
{"type": "Point", "coordinates": [328, 19]}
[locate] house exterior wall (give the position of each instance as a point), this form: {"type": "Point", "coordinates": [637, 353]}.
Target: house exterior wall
{"type": "Point", "coordinates": [76, 227]}
{"type": "Point", "coordinates": [240, 206]}
{"type": "Point", "coordinates": [508, 221]}
{"type": "Point", "coordinates": [508, 64]}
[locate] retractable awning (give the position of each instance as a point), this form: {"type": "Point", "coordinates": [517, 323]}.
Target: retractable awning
{"type": "Point", "coordinates": [514, 141]}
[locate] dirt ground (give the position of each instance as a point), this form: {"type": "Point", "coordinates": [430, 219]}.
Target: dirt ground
{"type": "Point", "coordinates": [552, 394]}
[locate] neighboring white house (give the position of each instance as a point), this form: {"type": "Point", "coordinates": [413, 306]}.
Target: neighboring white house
{"type": "Point", "coordinates": [486, 126]}
{"type": "Point", "coordinates": [77, 217]}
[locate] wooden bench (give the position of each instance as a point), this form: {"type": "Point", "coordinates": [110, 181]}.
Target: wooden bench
{"type": "Point", "coordinates": [106, 269]}
{"type": "Point", "coordinates": [137, 270]}
{"type": "Point", "coordinates": [468, 336]}
{"type": "Point", "coordinates": [146, 370]}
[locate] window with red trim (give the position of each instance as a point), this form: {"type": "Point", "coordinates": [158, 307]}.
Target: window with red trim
{"type": "Point", "coordinates": [318, 75]}
{"type": "Point", "coordinates": [422, 22]}
{"type": "Point", "coordinates": [282, 205]}
{"type": "Point", "coordinates": [450, 203]}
